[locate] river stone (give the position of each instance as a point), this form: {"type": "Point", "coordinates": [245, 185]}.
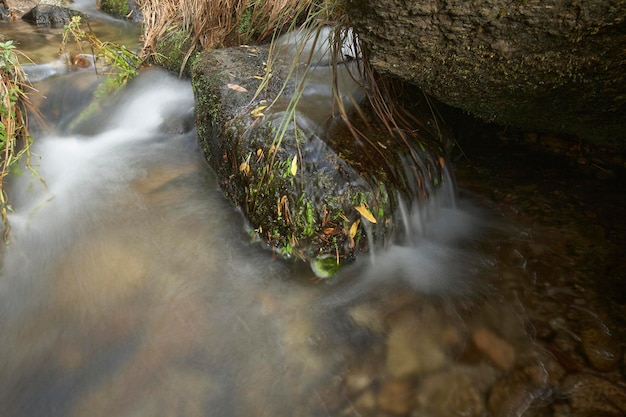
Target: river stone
{"type": "Point", "coordinates": [50, 15]}
{"type": "Point", "coordinates": [454, 392]}
{"type": "Point", "coordinates": [590, 396]}
{"type": "Point", "coordinates": [396, 397]}
{"type": "Point", "coordinates": [365, 402]}
{"type": "Point", "coordinates": [496, 349]}
{"type": "Point", "coordinates": [517, 391]}
{"type": "Point", "coordinates": [602, 349]}
{"type": "Point", "coordinates": [357, 380]}
{"type": "Point", "coordinates": [4, 10]}
{"type": "Point", "coordinates": [411, 349]}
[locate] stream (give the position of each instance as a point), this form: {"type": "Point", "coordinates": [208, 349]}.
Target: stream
{"type": "Point", "coordinates": [130, 286]}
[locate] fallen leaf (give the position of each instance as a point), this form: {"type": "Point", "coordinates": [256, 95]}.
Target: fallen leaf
{"type": "Point", "coordinates": [244, 167]}
{"type": "Point", "coordinates": [354, 228]}
{"type": "Point", "coordinates": [258, 110]}
{"type": "Point", "coordinates": [294, 165]}
{"type": "Point", "coordinates": [237, 88]}
{"type": "Point", "coordinates": [366, 213]}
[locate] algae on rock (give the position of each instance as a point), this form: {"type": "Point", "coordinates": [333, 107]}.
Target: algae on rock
{"type": "Point", "coordinates": [307, 189]}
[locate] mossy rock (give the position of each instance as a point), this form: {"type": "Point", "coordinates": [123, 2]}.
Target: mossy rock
{"type": "Point", "coordinates": [304, 189]}
{"type": "Point", "coordinates": [123, 9]}
{"type": "Point", "coordinates": [174, 52]}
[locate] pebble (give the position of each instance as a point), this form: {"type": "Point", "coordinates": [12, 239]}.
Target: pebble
{"type": "Point", "coordinates": [602, 349]}
{"type": "Point", "coordinates": [396, 397]}
{"type": "Point", "coordinates": [367, 316]}
{"type": "Point", "coordinates": [357, 380]}
{"type": "Point", "coordinates": [411, 349]}
{"type": "Point", "coordinates": [591, 396]}
{"type": "Point", "coordinates": [496, 349]}
{"type": "Point", "coordinates": [366, 402]}
{"type": "Point", "coordinates": [454, 392]}
{"type": "Point", "coordinates": [517, 391]}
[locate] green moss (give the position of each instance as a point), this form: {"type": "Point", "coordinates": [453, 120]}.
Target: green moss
{"type": "Point", "coordinates": [172, 49]}
{"type": "Point", "coordinates": [117, 8]}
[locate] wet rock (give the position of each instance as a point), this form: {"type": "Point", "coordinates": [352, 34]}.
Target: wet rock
{"type": "Point", "coordinates": [366, 402]}
{"type": "Point", "coordinates": [601, 348]}
{"type": "Point", "coordinates": [296, 174]}
{"type": "Point", "coordinates": [357, 380]}
{"type": "Point", "coordinates": [456, 392]}
{"type": "Point", "coordinates": [590, 396]}
{"type": "Point", "coordinates": [4, 10]}
{"type": "Point", "coordinates": [50, 15]}
{"type": "Point", "coordinates": [518, 391]}
{"type": "Point", "coordinates": [123, 9]}
{"type": "Point", "coordinates": [366, 315]}
{"type": "Point", "coordinates": [411, 349]}
{"type": "Point", "coordinates": [496, 349]}
{"type": "Point", "coordinates": [396, 397]}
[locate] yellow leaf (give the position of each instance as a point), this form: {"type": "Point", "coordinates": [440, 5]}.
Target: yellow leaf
{"type": "Point", "coordinates": [258, 110]}
{"type": "Point", "coordinates": [366, 213]}
{"type": "Point", "coordinates": [244, 167]}
{"type": "Point", "coordinates": [237, 88]}
{"type": "Point", "coordinates": [354, 228]}
{"type": "Point", "coordinates": [294, 165]}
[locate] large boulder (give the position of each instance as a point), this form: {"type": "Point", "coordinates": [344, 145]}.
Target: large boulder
{"type": "Point", "coordinates": [307, 187]}
{"type": "Point", "coordinates": [541, 64]}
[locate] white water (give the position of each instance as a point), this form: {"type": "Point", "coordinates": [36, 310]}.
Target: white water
{"type": "Point", "coordinates": [130, 286]}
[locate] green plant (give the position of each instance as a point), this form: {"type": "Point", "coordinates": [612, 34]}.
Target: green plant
{"type": "Point", "coordinates": [116, 7]}
{"type": "Point", "coordinates": [15, 140]}
{"type": "Point", "coordinates": [122, 64]}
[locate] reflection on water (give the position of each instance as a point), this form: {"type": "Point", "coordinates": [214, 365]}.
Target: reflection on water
{"type": "Point", "coordinates": [42, 44]}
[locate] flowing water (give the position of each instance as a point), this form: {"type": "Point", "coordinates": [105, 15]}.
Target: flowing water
{"type": "Point", "coordinates": [131, 288]}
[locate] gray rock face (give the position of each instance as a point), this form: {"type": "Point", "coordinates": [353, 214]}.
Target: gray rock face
{"type": "Point", "coordinates": [50, 15]}
{"type": "Point", "coordinates": [533, 64]}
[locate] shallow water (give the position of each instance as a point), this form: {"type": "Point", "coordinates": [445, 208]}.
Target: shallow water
{"type": "Point", "coordinates": [131, 288]}
{"type": "Point", "coordinates": [128, 274]}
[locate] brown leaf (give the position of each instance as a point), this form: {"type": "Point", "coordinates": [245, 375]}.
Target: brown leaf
{"type": "Point", "coordinates": [237, 88]}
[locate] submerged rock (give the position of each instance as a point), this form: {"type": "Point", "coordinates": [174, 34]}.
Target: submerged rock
{"type": "Point", "coordinates": [602, 349]}
{"type": "Point", "coordinates": [591, 395]}
{"type": "Point", "coordinates": [289, 162]}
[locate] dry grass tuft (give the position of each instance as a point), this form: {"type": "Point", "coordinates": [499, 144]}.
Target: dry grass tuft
{"type": "Point", "coordinates": [213, 23]}
{"type": "Point", "coordinates": [14, 137]}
